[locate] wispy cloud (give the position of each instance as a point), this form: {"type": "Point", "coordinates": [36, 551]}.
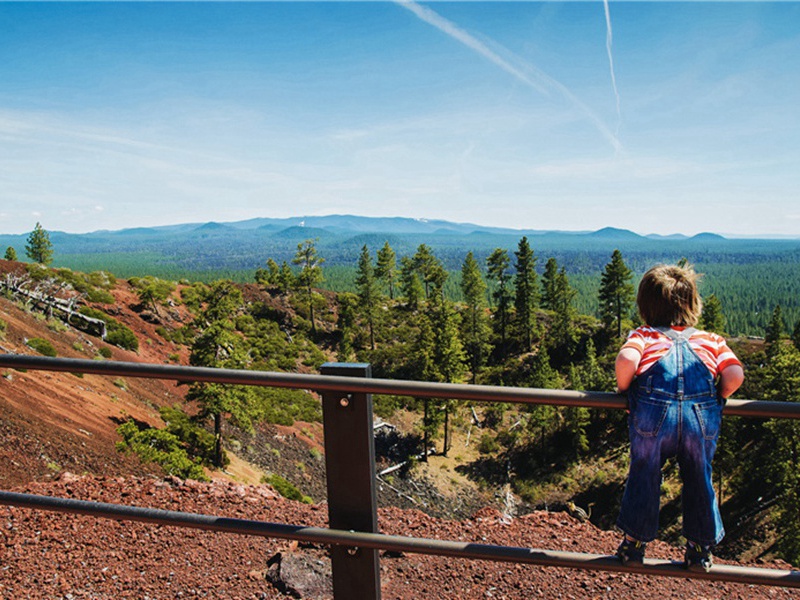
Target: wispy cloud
{"type": "Point", "coordinates": [609, 44]}
{"type": "Point", "coordinates": [525, 72]}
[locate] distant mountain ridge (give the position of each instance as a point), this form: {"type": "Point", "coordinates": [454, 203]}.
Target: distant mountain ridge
{"type": "Point", "coordinates": [236, 249]}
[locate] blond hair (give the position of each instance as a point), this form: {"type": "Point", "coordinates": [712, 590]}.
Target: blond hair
{"type": "Point", "coordinates": [668, 296]}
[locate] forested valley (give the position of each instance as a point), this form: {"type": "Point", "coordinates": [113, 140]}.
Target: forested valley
{"type": "Point", "coordinates": [503, 317]}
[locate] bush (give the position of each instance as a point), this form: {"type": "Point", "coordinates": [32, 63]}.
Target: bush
{"type": "Point", "coordinates": [3, 327]}
{"type": "Point", "coordinates": [100, 296]}
{"type": "Point", "coordinates": [286, 488]}
{"type": "Point", "coordinates": [198, 442]}
{"type": "Point", "coordinates": [488, 444]}
{"type": "Point", "coordinates": [116, 333]}
{"type": "Point", "coordinates": [284, 407]}
{"type": "Point", "coordinates": [104, 351]}
{"type": "Point", "coordinates": [161, 447]}
{"type": "Point", "coordinates": [42, 347]}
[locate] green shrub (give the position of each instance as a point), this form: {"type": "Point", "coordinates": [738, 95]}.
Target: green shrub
{"type": "Point", "coordinates": [161, 447]}
{"type": "Point", "coordinates": [284, 407]}
{"type": "Point", "coordinates": [42, 347]}
{"type": "Point", "coordinates": [3, 328]}
{"type": "Point", "coordinates": [100, 296]}
{"type": "Point", "coordinates": [104, 351]}
{"type": "Point", "coordinates": [198, 442]}
{"type": "Point", "coordinates": [286, 488]}
{"type": "Point", "coordinates": [488, 444]}
{"type": "Point", "coordinates": [116, 333]}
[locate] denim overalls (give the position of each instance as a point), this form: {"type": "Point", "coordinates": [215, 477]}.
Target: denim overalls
{"type": "Point", "coordinates": [674, 411]}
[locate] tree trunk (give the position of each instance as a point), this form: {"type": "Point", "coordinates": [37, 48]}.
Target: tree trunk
{"type": "Point", "coordinates": [446, 428]}
{"type": "Point", "coordinates": [425, 432]}
{"type": "Point", "coordinates": [218, 440]}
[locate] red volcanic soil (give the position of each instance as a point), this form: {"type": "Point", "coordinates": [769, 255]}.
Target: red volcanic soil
{"type": "Point", "coordinates": [52, 555]}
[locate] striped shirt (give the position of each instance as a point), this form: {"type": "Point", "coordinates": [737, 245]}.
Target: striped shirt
{"type": "Point", "coordinates": [712, 349]}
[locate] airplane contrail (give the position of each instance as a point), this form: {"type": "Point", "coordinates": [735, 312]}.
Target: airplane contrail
{"type": "Point", "coordinates": [530, 75]}
{"type": "Point", "coordinates": [609, 40]}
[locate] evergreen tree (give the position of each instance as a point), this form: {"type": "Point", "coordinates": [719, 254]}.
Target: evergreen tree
{"type": "Point", "coordinates": [796, 335]}
{"type": "Point", "coordinates": [310, 274]}
{"type": "Point", "coordinates": [526, 293]}
{"type": "Point", "coordinates": [712, 318]}
{"type": "Point", "coordinates": [285, 279]}
{"type": "Point", "coordinates": [448, 353]}
{"type": "Point", "coordinates": [39, 248]}
{"type": "Point", "coordinates": [346, 324]}
{"type": "Point", "coordinates": [430, 270]}
{"type": "Point", "coordinates": [152, 291]}
{"type": "Point", "coordinates": [498, 264]}
{"type": "Point", "coordinates": [563, 334]}
{"type": "Point", "coordinates": [782, 478]}
{"type": "Point", "coordinates": [269, 276]}
{"type": "Point", "coordinates": [550, 284]}
{"type": "Point", "coordinates": [367, 292]}
{"type": "Point", "coordinates": [775, 330]}
{"type": "Point", "coordinates": [218, 345]}
{"type": "Point", "coordinates": [10, 254]}
{"type": "Point", "coordinates": [410, 283]}
{"type": "Point", "coordinates": [616, 293]}
{"type": "Point", "coordinates": [475, 326]}
{"type": "Point", "coordinates": [424, 368]}
{"type": "Point", "coordinates": [386, 267]}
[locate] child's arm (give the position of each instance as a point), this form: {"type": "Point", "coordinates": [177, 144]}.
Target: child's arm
{"type": "Point", "coordinates": [625, 367]}
{"type": "Point", "coordinates": [730, 379]}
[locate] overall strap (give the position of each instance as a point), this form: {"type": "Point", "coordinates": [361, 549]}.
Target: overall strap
{"type": "Point", "coordinates": [677, 335]}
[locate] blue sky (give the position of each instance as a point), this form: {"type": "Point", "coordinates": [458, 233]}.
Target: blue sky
{"type": "Point", "coordinates": [665, 117]}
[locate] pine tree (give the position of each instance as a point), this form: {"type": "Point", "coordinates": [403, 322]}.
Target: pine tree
{"type": "Point", "coordinates": [346, 324]}
{"type": "Point", "coordinates": [285, 278]}
{"type": "Point", "coordinates": [549, 284]}
{"type": "Point", "coordinates": [526, 296]}
{"type": "Point", "coordinates": [448, 352]}
{"type": "Point", "coordinates": [475, 330]}
{"type": "Point", "coordinates": [386, 267]}
{"type": "Point", "coordinates": [796, 335]}
{"type": "Point", "coordinates": [39, 248]}
{"type": "Point", "coordinates": [616, 293]}
{"type": "Point", "coordinates": [430, 270]}
{"type": "Point", "coordinates": [367, 292]}
{"type": "Point", "coordinates": [498, 264]}
{"type": "Point", "coordinates": [152, 291]}
{"type": "Point", "coordinates": [269, 276]}
{"type": "Point", "coordinates": [219, 345]}
{"type": "Point", "coordinates": [11, 253]}
{"type": "Point", "coordinates": [410, 283]}
{"type": "Point", "coordinates": [782, 479]}
{"type": "Point", "coordinates": [310, 274]}
{"type": "Point", "coordinates": [774, 331]}
{"type": "Point", "coordinates": [712, 318]}
{"type": "Point", "coordinates": [563, 334]}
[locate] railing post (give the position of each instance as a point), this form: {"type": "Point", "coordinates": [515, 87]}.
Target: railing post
{"type": "Point", "coordinates": [350, 469]}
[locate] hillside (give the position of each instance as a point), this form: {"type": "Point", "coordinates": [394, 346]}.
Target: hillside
{"type": "Point", "coordinates": [55, 424]}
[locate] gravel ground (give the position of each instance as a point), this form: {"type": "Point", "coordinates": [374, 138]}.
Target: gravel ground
{"type": "Point", "coordinates": [59, 556]}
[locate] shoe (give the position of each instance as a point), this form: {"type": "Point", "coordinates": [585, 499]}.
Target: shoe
{"type": "Point", "coordinates": [631, 552]}
{"type": "Point", "coordinates": [697, 557]}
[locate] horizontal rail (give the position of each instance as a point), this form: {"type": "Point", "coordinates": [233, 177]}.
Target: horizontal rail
{"type": "Point", "coordinates": [548, 558]}
{"type": "Point", "coordinates": [422, 389]}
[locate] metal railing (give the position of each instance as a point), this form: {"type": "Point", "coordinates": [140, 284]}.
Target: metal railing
{"type": "Point", "coordinates": [353, 535]}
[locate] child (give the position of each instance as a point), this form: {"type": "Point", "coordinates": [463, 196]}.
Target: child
{"type": "Point", "coordinates": [677, 379]}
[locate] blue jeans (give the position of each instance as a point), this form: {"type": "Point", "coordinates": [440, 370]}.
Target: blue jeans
{"type": "Point", "coordinates": [674, 411]}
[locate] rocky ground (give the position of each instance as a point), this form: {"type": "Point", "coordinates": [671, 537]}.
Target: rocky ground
{"type": "Point", "coordinates": [59, 556]}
